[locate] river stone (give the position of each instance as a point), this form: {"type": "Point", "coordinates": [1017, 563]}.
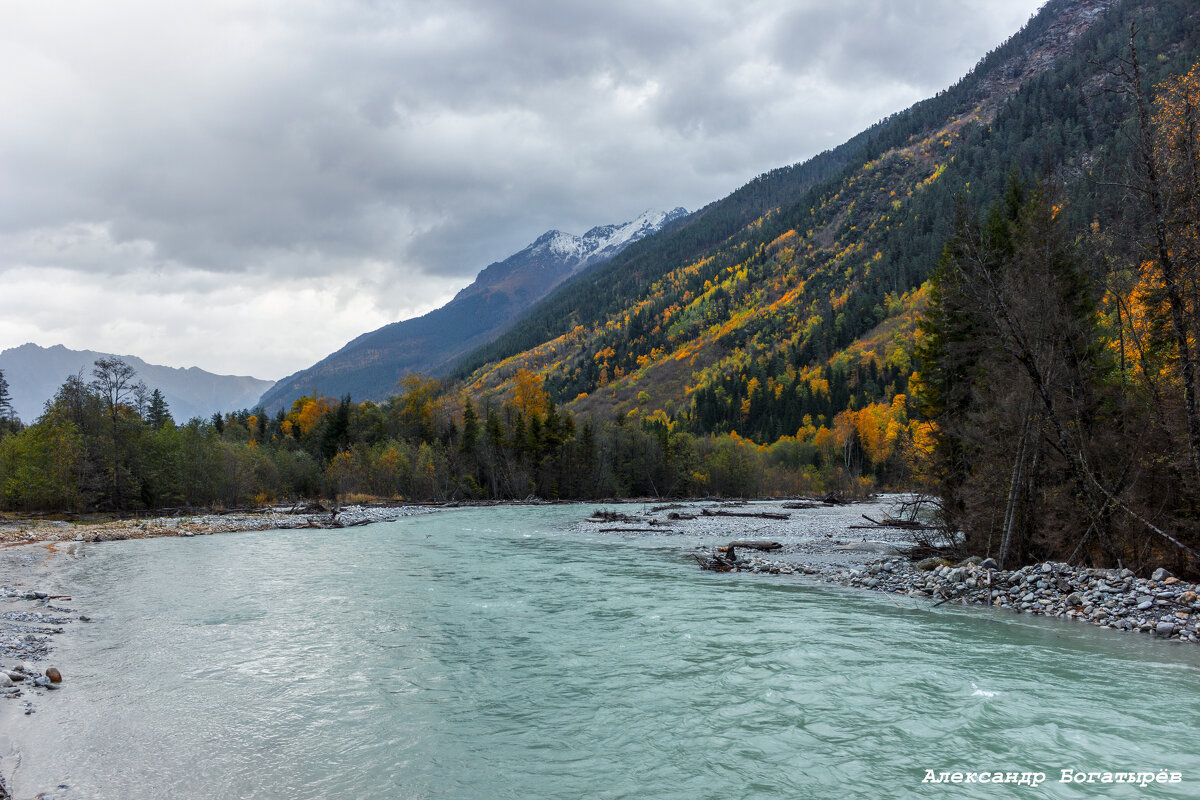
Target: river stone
{"type": "Point", "coordinates": [54, 675]}
{"type": "Point", "coordinates": [988, 563]}
{"type": "Point", "coordinates": [1160, 574]}
{"type": "Point", "coordinates": [1047, 567]}
{"type": "Point", "coordinates": [1145, 604]}
{"type": "Point", "coordinates": [1075, 599]}
{"type": "Point", "coordinates": [5, 681]}
{"type": "Point", "coordinates": [1165, 629]}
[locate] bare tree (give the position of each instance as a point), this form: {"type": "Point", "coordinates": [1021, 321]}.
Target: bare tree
{"type": "Point", "coordinates": [6, 409]}
{"type": "Point", "coordinates": [113, 380]}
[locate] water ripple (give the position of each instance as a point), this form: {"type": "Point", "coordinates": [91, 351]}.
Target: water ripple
{"type": "Point", "coordinates": [487, 653]}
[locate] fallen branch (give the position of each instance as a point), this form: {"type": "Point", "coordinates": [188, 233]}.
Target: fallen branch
{"type": "Point", "coordinates": [893, 522]}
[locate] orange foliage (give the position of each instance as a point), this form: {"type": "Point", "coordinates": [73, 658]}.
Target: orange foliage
{"type": "Point", "coordinates": [307, 412]}
{"type": "Point", "coordinates": [528, 395]}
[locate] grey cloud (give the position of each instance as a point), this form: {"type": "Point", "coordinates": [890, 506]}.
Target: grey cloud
{"type": "Point", "coordinates": [424, 139]}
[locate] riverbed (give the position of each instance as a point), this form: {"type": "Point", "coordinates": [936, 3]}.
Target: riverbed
{"type": "Point", "coordinates": [513, 653]}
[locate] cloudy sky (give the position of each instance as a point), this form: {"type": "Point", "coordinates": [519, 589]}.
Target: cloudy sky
{"type": "Point", "coordinates": [245, 185]}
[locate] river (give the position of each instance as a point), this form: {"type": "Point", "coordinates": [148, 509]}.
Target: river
{"type": "Point", "coordinates": [495, 653]}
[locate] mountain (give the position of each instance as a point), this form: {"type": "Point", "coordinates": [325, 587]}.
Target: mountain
{"type": "Point", "coordinates": [35, 373]}
{"type": "Point", "coordinates": [796, 297]}
{"type": "Point", "coordinates": [371, 366]}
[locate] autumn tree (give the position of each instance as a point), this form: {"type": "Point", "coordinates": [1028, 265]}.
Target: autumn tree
{"type": "Point", "coordinates": [416, 406]}
{"type": "Point", "coordinates": [1164, 184]}
{"type": "Point", "coordinates": [529, 396]}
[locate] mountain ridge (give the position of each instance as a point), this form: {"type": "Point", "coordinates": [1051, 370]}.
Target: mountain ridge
{"type": "Point", "coordinates": [371, 365]}
{"type": "Point", "coordinates": [35, 373]}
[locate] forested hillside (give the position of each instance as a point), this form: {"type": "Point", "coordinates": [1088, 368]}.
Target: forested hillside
{"type": "Point", "coordinates": [803, 307]}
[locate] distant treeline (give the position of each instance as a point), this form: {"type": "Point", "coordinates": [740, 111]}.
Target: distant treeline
{"type": "Point", "coordinates": [108, 444]}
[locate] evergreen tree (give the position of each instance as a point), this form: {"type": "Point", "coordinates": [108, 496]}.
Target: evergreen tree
{"type": "Point", "coordinates": [157, 412]}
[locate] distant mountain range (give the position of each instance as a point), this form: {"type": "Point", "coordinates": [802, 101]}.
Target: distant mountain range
{"type": "Point", "coordinates": [35, 373]}
{"type": "Point", "coordinates": [370, 367]}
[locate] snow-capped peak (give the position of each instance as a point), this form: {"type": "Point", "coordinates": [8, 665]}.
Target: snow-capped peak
{"type": "Point", "coordinates": [603, 241]}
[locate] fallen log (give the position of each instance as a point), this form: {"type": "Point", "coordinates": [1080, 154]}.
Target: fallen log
{"type": "Point", "coordinates": [603, 515]}
{"type": "Point", "coordinates": [756, 514]}
{"type": "Point", "coordinates": [756, 544]}
{"type": "Point", "coordinates": [637, 530]}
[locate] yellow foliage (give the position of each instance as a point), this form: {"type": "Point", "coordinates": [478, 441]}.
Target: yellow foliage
{"type": "Point", "coordinates": [528, 395]}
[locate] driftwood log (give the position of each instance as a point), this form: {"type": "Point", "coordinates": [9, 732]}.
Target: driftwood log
{"type": "Point", "coordinates": [725, 558]}
{"type": "Point", "coordinates": [636, 530]}
{"type": "Point", "coordinates": [756, 544]}
{"type": "Point", "coordinates": [757, 514]}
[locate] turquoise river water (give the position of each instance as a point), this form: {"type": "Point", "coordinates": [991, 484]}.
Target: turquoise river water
{"type": "Point", "coordinates": [494, 653]}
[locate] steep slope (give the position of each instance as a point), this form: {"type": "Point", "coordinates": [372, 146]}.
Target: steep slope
{"type": "Point", "coordinates": [754, 329]}
{"type": "Point", "coordinates": [370, 366]}
{"type": "Point", "coordinates": [35, 373]}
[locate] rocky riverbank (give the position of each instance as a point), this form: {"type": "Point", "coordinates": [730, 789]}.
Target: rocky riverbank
{"type": "Point", "coordinates": [29, 621]}
{"type": "Point", "coordinates": [14, 531]}
{"type": "Point", "coordinates": [830, 543]}
{"type": "Point", "coordinates": [1162, 605]}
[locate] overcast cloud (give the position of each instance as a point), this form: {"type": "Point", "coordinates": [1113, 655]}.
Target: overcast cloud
{"type": "Point", "coordinates": [246, 185]}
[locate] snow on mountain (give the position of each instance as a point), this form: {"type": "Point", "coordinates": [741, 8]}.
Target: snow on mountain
{"type": "Point", "coordinates": [370, 366]}
{"type": "Point", "coordinates": [602, 241]}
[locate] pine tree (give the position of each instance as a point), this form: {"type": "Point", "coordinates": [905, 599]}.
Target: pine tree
{"type": "Point", "coordinates": [157, 413]}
